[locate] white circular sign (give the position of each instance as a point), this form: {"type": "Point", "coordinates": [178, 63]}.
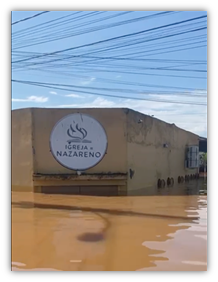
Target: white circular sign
{"type": "Point", "coordinates": [78, 142]}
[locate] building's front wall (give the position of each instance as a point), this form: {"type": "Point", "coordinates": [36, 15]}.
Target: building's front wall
{"type": "Point", "coordinates": [114, 123]}
{"type": "Point", "coordinates": [148, 159]}
{"type": "Point", "coordinates": [134, 147]}
{"type": "Point", "coordinates": [21, 150]}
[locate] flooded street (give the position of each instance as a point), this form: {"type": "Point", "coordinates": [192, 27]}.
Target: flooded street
{"type": "Point", "coordinates": [107, 139]}
{"type": "Point", "coordinates": [135, 233]}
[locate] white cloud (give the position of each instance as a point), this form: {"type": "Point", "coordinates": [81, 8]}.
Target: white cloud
{"type": "Point", "coordinates": [189, 117]}
{"type": "Point", "coordinates": [73, 95]}
{"type": "Point", "coordinates": [188, 97]}
{"type": "Point", "coordinates": [97, 103]}
{"type": "Point", "coordinates": [35, 99]}
{"type": "Point", "coordinates": [88, 81]}
{"type": "Point", "coordinates": [53, 92]}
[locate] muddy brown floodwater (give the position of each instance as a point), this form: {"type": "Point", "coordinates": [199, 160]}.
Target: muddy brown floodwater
{"type": "Point", "coordinates": [135, 233]}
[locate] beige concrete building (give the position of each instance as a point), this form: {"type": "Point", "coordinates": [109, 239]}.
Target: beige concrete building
{"type": "Point", "coordinates": [141, 152]}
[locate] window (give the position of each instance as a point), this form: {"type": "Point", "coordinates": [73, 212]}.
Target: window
{"type": "Point", "coordinates": [192, 157]}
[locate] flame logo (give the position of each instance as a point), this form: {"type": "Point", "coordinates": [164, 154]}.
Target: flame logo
{"type": "Point", "coordinates": [78, 135]}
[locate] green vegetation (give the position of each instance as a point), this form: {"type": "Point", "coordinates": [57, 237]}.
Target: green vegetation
{"type": "Point", "coordinates": [203, 159]}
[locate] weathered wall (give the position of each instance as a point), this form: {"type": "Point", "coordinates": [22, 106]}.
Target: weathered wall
{"type": "Point", "coordinates": [21, 150]}
{"type": "Point", "coordinates": [114, 123]}
{"type": "Point", "coordinates": [147, 158]}
{"type": "Point", "coordinates": [131, 145]}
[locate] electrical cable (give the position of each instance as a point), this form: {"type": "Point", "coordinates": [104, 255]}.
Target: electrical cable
{"type": "Point", "coordinates": [29, 18]}
{"type": "Point", "coordinates": [50, 86]}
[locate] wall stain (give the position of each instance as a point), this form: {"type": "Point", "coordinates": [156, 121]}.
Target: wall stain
{"type": "Point", "coordinates": [131, 173]}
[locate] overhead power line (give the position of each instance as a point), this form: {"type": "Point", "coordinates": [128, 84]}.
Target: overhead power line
{"type": "Point", "coordinates": [73, 56]}
{"type": "Point", "coordinates": [137, 55]}
{"type": "Point", "coordinates": [145, 40]}
{"type": "Point", "coordinates": [111, 39]}
{"type": "Point", "coordinates": [50, 86]}
{"type": "Point", "coordinates": [124, 90]}
{"type": "Point", "coordinates": [47, 25]}
{"type": "Point", "coordinates": [70, 31]}
{"type": "Point", "coordinates": [50, 29]}
{"type": "Point", "coordinates": [95, 65]}
{"type": "Point", "coordinates": [72, 74]}
{"type": "Point", "coordinates": [14, 34]}
{"type": "Point", "coordinates": [29, 18]}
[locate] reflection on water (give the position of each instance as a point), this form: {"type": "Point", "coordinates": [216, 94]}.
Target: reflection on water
{"type": "Point", "coordinates": [77, 233]}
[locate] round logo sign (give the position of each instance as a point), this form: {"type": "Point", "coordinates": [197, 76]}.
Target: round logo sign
{"type": "Point", "coordinates": [78, 142]}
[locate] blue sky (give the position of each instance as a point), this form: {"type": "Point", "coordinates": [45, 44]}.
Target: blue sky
{"type": "Point", "coordinates": [175, 79]}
